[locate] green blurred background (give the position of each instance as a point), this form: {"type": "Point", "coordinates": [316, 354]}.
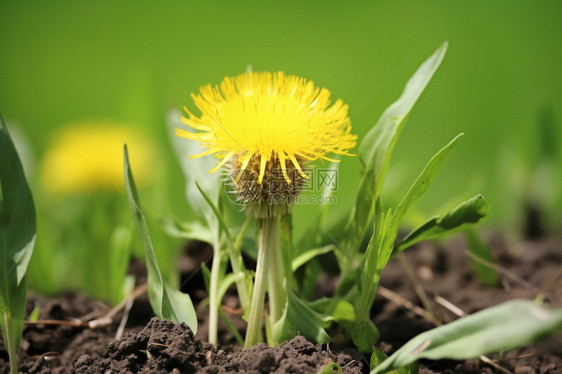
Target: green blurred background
{"type": "Point", "coordinates": [500, 83]}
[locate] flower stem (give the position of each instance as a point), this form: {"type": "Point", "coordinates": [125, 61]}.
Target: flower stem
{"type": "Point", "coordinates": [286, 234]}
{"type": "Point", "coordinates": [237, 264]}
{"type": "Point", "coordinates": [277, 292]}
{"type": "Point", "coordinates": [213, 298]}
{"type": "Point", "coordinates": [268, 234]}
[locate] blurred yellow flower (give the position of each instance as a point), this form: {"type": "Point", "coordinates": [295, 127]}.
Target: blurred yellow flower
{"type": "Point", "coordinates": [260, 121]}
{"type": "Point", "coordinates": [88, 156]}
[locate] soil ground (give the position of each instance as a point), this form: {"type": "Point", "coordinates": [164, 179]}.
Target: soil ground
{"type": "Point", "coordinates": [150, 345]}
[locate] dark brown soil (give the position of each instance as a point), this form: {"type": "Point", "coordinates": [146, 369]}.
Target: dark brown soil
{"type": "Point", "coordinates": [166, 347]}
{"type": "Point", "coordinates": [156, 346]}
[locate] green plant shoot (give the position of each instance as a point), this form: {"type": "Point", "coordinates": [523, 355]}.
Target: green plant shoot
{"type": "Point", "coordinates": [17, 238]}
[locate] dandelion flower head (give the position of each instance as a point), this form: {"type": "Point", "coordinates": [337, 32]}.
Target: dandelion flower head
{"type": "Point", "coordinates": [260, 121]}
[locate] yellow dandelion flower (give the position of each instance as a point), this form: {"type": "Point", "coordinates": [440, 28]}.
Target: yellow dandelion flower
{"type": "Point", "coordinates": [87, 156]}
{"type": "Point", "coordinates": [260, 122]}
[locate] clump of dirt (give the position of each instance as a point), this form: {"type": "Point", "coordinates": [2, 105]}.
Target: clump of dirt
{"type": "Point", "coordinates": [165, 347]}
{"type": "Point", "coordinates": [161, 347]}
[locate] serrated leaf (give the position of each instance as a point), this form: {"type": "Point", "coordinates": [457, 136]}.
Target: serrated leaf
{"type": "Point", "coordinates": [299, 319]}
{"type": "Point", "coordinates": [467, 213]}
{"type": "Point", "coordinates": [513, 324]}
{"type": "Point", "coordinates": [376, 148]}
{"type": "Point", "coordinates": [166, 302]}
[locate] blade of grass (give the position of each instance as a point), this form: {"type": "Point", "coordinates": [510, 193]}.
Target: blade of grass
{"type": "Point", "coordinates": [423, 182]}
{"type": "Point", "coordinates": [166, 303]}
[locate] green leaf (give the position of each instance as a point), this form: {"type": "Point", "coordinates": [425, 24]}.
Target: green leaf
{"type": "Point", "coordinates": [329, 368]}
{"type": "Point", "coordinates": [309, 254]}
{"type": "Point", "coordinates": [379, 141]}
{"type": "Point", "coordinates": [377, 358]}
{"type": "Point", "coordinates": [166, 302]}
{"type": "Point", "coordinates": [467, 213]}
{"type": "Point", "coordinates": [376, 148]}
{"type": "Point", "coordinates": [344, 312]}
{"type": "Point", "coordinates": [299, 319]}
{"type": "Point", "coordinates": [485, 274]}
{"type": "Point", "coordinates": [341, 311]}
{"type": "Point", "coordinates": [509, 325]}
{"type": "Point", "coordinates": [409, 369]}
{"type": "Point", "coordinates": [17, 239]}
{"type": "Point", "coordinates": [414, 194]}
{"type": "Point", "coordinates": [17, 219]}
